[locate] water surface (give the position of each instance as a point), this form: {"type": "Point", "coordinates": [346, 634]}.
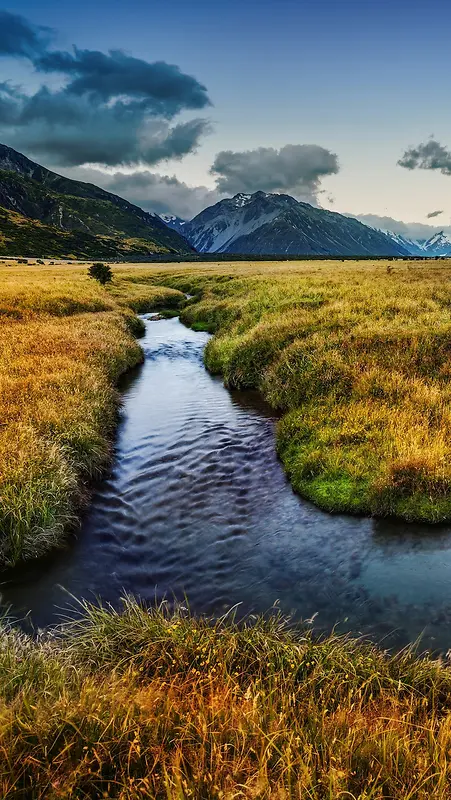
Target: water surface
{"type": "Point", "coordinates": [197, 505]}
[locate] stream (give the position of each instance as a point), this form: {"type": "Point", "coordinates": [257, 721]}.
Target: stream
{"type": "Point", "coordinates": [197, 505]}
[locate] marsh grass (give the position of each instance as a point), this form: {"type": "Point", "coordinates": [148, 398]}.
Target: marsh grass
{"type": "Point", "coordinates": [357, 358]}
{"type": "Point", "coordinates": [159, 704]}
{"type": "Point", "coordinates": [64, 342]}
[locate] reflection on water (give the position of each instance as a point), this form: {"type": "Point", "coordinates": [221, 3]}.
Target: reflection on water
{"type": "Point", "coordinates": [198, 505]}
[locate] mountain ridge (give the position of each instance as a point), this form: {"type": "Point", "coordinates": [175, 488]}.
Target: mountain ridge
{"type": "Point", "coordinates": [264, 223]}
{"type": "Point", "coordinates": [439, 244]}
{"type": "Point", "coordinates": [36, 193]}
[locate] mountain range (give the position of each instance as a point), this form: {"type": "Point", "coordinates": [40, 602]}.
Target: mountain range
{"type": "Point", "coordinates": [276, 224]}
{"type": "Point", "coordinates": [45, 214]}
{"type": "Point", "coordinates": [437, 245]}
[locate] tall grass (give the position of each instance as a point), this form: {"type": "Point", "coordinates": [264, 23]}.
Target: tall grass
{"type": "Point", "coordinates": [359, 360]}
{"type": "Point", "coordinates": [64, 342]}
{"type": "Point", "coordinates": [158, 704]}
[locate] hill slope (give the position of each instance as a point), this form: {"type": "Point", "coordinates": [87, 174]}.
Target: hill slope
{"type": "Point", "coordinates": [21, 236]}
{"type": "Point", "coordinates": [71, 206]}
{"type": "Point", "coordinates": [263, 223]}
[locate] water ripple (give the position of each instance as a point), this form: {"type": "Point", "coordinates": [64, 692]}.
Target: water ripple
{"type": "Point", "coordinates": [197, 504]}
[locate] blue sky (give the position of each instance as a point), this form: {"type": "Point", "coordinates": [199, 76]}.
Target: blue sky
{"type": "Point", "coordinates": [364, 80]}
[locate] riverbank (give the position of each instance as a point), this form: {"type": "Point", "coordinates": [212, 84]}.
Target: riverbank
{"type": "Point", "coordinates": [161, 705]}
{"type": "Point", "coordinates": [64, 343]}
{"type": "Point", "coordinates": [357, 357]}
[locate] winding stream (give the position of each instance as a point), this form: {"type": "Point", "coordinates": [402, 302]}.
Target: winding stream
{"type": "Point", "coordinates": [197, 504]}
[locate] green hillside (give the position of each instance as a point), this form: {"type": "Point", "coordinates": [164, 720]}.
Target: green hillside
{"type": "Point", "coordinates": [20, 236]}
{"type": "Point", "coordinates": [74, 207]}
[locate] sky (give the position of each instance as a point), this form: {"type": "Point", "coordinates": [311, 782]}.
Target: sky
{"type": "Point", "coordinates": [176, 104]}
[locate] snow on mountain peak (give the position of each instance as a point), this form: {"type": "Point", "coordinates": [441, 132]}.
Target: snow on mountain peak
{"type": "Point", "coordinates": [241, 199]}
{"type": "Point", "coordinates": [270, 223]}
{"type": "Point", "coordinates": [440, 238]}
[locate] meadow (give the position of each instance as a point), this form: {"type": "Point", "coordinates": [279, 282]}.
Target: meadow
{"type": "Point", "coordinates": [355, 356]}
{"type": "Point", "coordinates": [159, 704]}
{"type": "Point", "coordinates": [64, 343]}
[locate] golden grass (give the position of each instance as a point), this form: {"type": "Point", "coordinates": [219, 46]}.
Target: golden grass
{"type": "Point", "coordinates": [64, 342]}
{"type": "Point", "coordinates": [162, 705]}
{"type": "Point", "coordinates": [358, 356]}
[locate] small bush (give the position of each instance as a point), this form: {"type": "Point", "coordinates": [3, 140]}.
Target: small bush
{"type": "Point", "coordinates": [100, 272]}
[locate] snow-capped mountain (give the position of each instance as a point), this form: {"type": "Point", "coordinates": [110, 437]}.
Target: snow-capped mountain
{"type": "Point", "coordinates": [438, 245]}
{"type": "Point", "coordinates": [413, 246]}
{"type": "Point", "coordinates": [268, 224]}
{"type": "Point", "coordinates": [176, 223]}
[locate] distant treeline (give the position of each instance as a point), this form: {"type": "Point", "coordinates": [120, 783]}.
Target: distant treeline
{"type": "Point", "coordinates": [189, 257]}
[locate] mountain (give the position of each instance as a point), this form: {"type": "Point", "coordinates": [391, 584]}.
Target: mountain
{"type": "Point", "coordinates": [438, 245]}
{"type": "Point", "coordinates": [21, 236]}
{"type": "Point", "coordinates": [66, 206]}
{"type": "Point", "coordinates": [275, 224]}
{"type": "Point", "coordinates": [176, 223]}
{"type": "Point", "coordinates": [413, 246]}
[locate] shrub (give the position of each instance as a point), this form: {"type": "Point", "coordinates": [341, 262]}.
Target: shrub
{"type": "Point", "coordinates": [101, 272]}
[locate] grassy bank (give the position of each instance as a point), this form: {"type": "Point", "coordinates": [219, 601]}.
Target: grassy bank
{"type": "Point", "coordinates": [160, 705]}
{"type": "Point", "coordinates": [64, 342]}
{"type": "Point", "coordinates": [358, 358]}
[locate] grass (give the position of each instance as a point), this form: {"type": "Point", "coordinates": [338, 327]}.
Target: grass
{"type": "Point", "coordinates": [158, 704]}
{"type": "Point", "coordinates": [64, 342]}
{"type": "Point", "coordinates": [357, 357]}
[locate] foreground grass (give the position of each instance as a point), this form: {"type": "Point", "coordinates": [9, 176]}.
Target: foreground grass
{"type": "Point", "coordinates": [64, 342]}
{"type": "Point", "coordinates": [161, 705]}
{"type": "Point", "coordinates": [357, 356]}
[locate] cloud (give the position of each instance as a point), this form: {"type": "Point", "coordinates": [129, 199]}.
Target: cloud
{"type": "Point", "coordinates": [411, 230]}
{"type": "Point", "coordinates": [299, 168]}
{"type": "Point", "coordinates": [162, 88]}
{"type": "Point", "coordinates": [18, 37]}
{"type": "Point", "coordinates": [163, 194]}
{"type": "Point", "coordinates": [434, 214]}
{"type": "Point", "coordinates": [113, 109]}
{"type": "Point", "coordinates": [296, 169]}
{"type": "Point", "coordinates": [429, 155]}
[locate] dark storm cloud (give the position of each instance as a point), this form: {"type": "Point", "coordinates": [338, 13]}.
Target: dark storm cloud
{"type": "Point", "coordinates": [429, 155]}
{"type": "Point", "coordinates": [113, 109]}
{"type": "Point", "coordinates": [434, 214]}
{"type": "Point", "coordinates": [295, 169]}
{"type": "Point", "coordinates": [9, 97]}
{"type": "Point", "coordinates": [162, 88]}
{"type": "Point", "coordinates": [18, 37]}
